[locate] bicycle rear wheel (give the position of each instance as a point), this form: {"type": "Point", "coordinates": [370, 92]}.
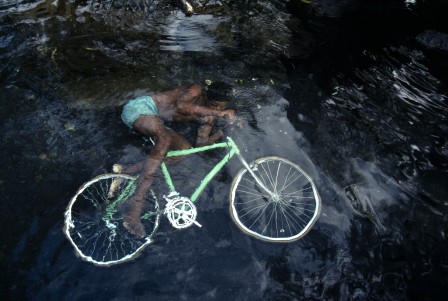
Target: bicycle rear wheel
{"type": "Point", "coordinates": [284, 215]}
{"type": "Point", "coordinates": [94, 220]}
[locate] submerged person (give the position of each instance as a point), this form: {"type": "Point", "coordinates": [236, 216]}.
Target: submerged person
{"type": "Point", "coordinates": [147, 114]}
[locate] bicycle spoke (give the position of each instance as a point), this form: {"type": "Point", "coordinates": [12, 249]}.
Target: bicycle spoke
{"type": "Point", "coordinates": [268, 175]}
{"type": "Point", "coordinates": [253, 191]}
{"type": "Point", "coordinates": [259, 216]}
{"type": "Point", "coordinates": [288, 223]}
{"type": "Point", "coordinates": [276, 176]}
{"type": "Point", "coordinates": [296, 215]}
{"type": "Point", "coordinates": [291, 182]}
{"type": "Point", "coordinates": [253, 209]}
{"type": "Point", "coordinates": [301, 203]}
{"type": "Point", "coordinates": [260, 177]}
{"type": "Point", "coordinates": [269, 220]}
{"type": "Point", "coordinates": [296, 196]}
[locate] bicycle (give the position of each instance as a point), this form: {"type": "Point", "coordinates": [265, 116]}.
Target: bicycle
{"type": "Point", "coordinates": [271, 199]}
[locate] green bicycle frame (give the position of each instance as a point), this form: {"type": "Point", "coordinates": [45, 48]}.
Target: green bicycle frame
{"type": "Point", "coordinates": [233, 149]}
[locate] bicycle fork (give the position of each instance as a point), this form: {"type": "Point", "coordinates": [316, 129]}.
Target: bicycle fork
{"type": "Point", "coordinates": [232, 144]}
{"type": "Point", "coordinates": [249, 169]}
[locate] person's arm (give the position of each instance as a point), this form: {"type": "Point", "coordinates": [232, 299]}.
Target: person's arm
{"type": "Point", "coordinates": [188, 108]}
{"type": "Point", "coordinates": [203, 135]}
{"type": "Point", "coordinates": [204, 130]}
{"type": "Point", "coordinates": [193, 109]}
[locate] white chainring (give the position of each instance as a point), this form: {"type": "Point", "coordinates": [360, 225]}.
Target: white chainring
{"type": "Point", "coordinates": [181, 212]}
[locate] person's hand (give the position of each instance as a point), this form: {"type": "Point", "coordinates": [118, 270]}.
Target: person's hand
{"type": "Point", "coordinates": [229, 115]}
{"type": "Point", "coordinates": [239, 122]}
{"type": "Point", "coordinates": [207, 120]}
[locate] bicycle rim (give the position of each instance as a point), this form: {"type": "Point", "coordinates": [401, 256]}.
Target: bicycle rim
{"type": "Point", "coordinates": [94, 220]}
{"type": "Point", "coordinates": [283, 216]}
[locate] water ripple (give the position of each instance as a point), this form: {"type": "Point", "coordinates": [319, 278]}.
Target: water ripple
{"type": "Point", "coordinates": [192, 34]}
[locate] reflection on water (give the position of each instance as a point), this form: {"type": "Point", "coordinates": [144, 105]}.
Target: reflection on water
{"type": "Point", "coordinates": [373, 139]}
{"type": "Point", "coordinates": [192, 34]}
{"type": "Point", "coordinates": [389, 124]}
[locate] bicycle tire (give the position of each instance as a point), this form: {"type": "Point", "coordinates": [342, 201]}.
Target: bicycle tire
{"type": "Point", "coordinates": [93, 220]}
{"type": "Point", "coordinates": [286, 215]}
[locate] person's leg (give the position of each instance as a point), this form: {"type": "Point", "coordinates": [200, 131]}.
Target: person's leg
{"type": "Point", "coordinates": [177, 142]}
{"type": "Point", "coordinates": [209, 140]}
{"type": "Point", "coordinates": [165, 139]}
{"type": "Point", "coordinates": [129, 170]}
{"type": "Point", "coordinates": [204, 136]}
{"type": "Point", "coordinates": [148, 125]}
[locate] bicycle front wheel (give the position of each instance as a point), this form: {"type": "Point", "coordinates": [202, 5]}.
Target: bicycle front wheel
{"type": "Point", "coordinates": [284, 213]}
{"type": "Point", "coordinates": [94, 220]}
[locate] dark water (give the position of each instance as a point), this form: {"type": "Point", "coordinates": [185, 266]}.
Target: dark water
{"type": "Point", "coordinates": [353, 91]}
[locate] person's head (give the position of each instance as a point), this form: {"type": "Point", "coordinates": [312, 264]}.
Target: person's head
{"type": "Point", "coordinates": [219, 91]}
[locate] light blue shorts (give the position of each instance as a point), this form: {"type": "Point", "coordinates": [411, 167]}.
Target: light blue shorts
{"type": "Point", "coordinates": [135, 108]}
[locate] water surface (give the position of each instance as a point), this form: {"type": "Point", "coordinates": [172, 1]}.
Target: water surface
{"type": "Point", "coordinates": [361, 107]}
